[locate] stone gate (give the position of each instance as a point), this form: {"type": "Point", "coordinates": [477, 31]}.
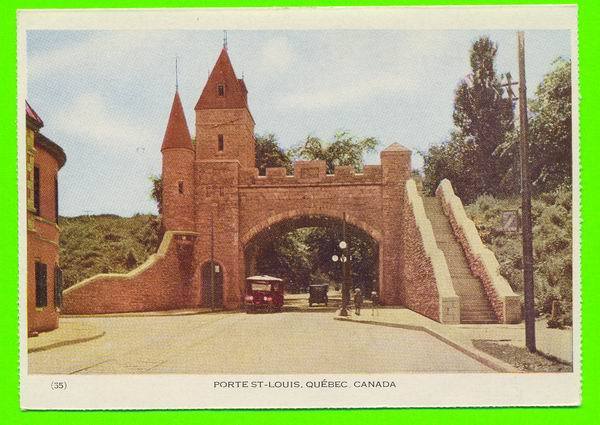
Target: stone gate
{"type": "Point", "coordinates": [215, 205]}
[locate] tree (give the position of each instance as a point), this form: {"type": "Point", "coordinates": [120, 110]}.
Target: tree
{"type": "Point", "coordinates": [550, 135]}
{"type": "Point", "coordinates": [270, 154]}
{"type": "Point", "coordinates": [482, 120]}
{"type": "Point", "coordinates": [156, 191]}
{"type": "Point", "coordinates": [482, 116]}
{"type": "Point", "coordinates": [550, 129]}
{"type": "Point", "coordinates": [454, 160]}
{"type": "Point", "coordinates": [344, 150]}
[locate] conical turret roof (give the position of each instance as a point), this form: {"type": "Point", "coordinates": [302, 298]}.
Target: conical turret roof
{"type": "Point", "coordinates": [177, 134]}
{"type": "Point", "coordinates": [233, 93]}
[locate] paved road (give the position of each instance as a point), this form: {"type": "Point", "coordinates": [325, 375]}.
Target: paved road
{"type": "Point", "coordinates": [294, 341]}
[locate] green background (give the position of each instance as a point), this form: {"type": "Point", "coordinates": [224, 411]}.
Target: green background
{"type": "Point", "coordinates": [589, 64]}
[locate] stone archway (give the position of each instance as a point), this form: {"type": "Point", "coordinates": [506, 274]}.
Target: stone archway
{"type": "Point", "coordinates": [316, 214]}
{"type": "Point", "coordinates": [267, 230]}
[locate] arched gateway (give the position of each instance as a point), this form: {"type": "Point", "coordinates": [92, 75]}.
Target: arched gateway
{"type": "Point", "coordinates": [215, 204]}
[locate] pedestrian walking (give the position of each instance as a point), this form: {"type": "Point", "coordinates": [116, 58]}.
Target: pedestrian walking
{"type": "Point", "coordinates": [358, 300]}
{"type": "Point", "coordinates": [374, 300]}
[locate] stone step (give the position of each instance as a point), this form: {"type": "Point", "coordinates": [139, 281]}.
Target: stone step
{"type": "Point", "coordinates": [477, 314]}
{"type": "Point", "coordinates": [474, 314]}
{"type": "Point", "coordinates": [468, 302]}
{"type": "Point", "coordinates": [469, 296]}
{"type": "Point", "coordinates": [452, 250]}
{"type": "Point", "coordinates": [470, 290]}
{"type": "Point", "coordinates": [478, 310]}
{"type": "Point", "coordinates": [482, 309]}
{"type": "Point", "coordinates": [474, 304]}
{"type": "Point", "coordinates": [478, 321]}
{"type": "Point", "coordinates": [462, 275]}
{"type": "Point", "coordinates": [469, 286]}
{"type": "Point", "coordinates": [458, 264]}
{"type": "Point", "coordinates": [465, 281]}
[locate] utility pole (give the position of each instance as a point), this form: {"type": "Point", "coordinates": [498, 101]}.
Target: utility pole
{"type": "Point", "coordinates": [526, 201]}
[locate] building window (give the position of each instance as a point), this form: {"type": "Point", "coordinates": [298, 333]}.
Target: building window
{"type": "Point", "coordinates": [36, 190]}
{"type": "Point", "coordinates": [56, 198]}
{"type": "Point", "coordinates": [41, 284]}
{"type": "Point", "coordinates": [221, 143]}
{"type": "Point", "coordinates": [58, 285]}
{"type": "Point", "coordinates": [180, 186]}
{"type": "Point", "coordinates": [221, 90]}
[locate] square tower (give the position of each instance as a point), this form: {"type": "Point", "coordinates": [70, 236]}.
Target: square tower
{"type": "Point", "coordinates": [224, 124]}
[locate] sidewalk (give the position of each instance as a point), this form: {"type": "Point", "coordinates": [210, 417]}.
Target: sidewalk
{"type": "Point", "coordinates": [72, 331]}
{"type": "Point", "coordinates": [555, 342]}
{"type": "Point", "coordinates": [180, 312]}
{"type": "Point", "coordinates": [69, 332]}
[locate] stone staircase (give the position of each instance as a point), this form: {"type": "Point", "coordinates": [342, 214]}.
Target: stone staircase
{"type": "Point", "coordinates": [474, 304]}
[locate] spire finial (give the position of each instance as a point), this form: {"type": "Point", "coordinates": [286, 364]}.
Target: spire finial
{"type": "Point", "coordinates": [176, 74]}
{"type": "Point", "coordinates": [225, 39]}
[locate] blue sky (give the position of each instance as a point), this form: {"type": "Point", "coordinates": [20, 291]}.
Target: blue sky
{"type": "Point", "coordinates": [105, 96]}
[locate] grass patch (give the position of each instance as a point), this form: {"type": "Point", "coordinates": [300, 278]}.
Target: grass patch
{"type": "Point", "coordinates": [521, 358]}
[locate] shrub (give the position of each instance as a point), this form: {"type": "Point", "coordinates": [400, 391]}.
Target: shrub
{"type": "Point", "coordinates": [105, 244]}
{"type": "Point", "coordinates": [552, 241]}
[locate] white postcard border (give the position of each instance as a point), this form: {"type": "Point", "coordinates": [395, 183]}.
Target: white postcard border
{"type": "Point", "coordinates": [170, 391]}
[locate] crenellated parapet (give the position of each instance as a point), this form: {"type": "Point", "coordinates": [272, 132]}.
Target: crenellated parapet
{"type": "Point", "coordinates": [312, 173]}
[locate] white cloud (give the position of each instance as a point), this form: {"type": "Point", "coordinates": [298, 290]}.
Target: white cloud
{"type": "Point", "coordinates": [276, 55]}
{"type": "Point", "coordinates": [348, 92]}
{"type": "Point", "coordinates": [102, 49]}
{"type": "Point", "coordinates": [89, 119]}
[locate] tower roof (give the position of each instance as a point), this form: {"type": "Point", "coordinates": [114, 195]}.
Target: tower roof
{"type": "Point", "coordinates": [396, 147]}
{"type": "Point", "coordinates": [233, 93]}
{"type": "Point", "coordinates": [32, 118]}
{"type": "Point", "coordinates": [177, 134]}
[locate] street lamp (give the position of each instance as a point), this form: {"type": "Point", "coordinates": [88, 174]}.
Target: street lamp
{"type": "Point", "coordinates": [344, 258]}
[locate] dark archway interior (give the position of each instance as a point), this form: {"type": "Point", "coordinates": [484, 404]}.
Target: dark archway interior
{"type": "Point", "coordinates": [300, 250]}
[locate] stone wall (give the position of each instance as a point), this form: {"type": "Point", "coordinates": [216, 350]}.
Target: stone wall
{"type": "Point", "coordinates": [482, 262]}
{"type": "Point", "coordinates": [165, 281]}
{"type": "Point", "coordinates": [310, 172]}
{"type": "Point", "coordinates": [427, 286]}
{"type": "Point", "coordinates": [217, 206]}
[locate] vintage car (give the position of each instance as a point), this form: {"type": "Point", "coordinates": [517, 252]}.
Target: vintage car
{"type": "Point", "coordinates": [317, 294]}
{"type": "Point", "coordinates": [263, 292]}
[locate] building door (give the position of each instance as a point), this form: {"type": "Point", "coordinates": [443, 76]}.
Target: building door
{"type": "Point", "coordinates": [210, 289]}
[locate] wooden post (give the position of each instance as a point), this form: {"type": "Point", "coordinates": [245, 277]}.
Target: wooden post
{"type": "Point", "coordinates": [526, 202]}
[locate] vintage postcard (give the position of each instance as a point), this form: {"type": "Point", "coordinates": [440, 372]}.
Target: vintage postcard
{"type": "Point", "coordinates": [299, 208]}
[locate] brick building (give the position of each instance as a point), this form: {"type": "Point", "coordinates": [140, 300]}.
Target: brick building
{"type": "Point", "coordinates": [217, 210]}
{"type": "Point", "coordinates": [44, 159]}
